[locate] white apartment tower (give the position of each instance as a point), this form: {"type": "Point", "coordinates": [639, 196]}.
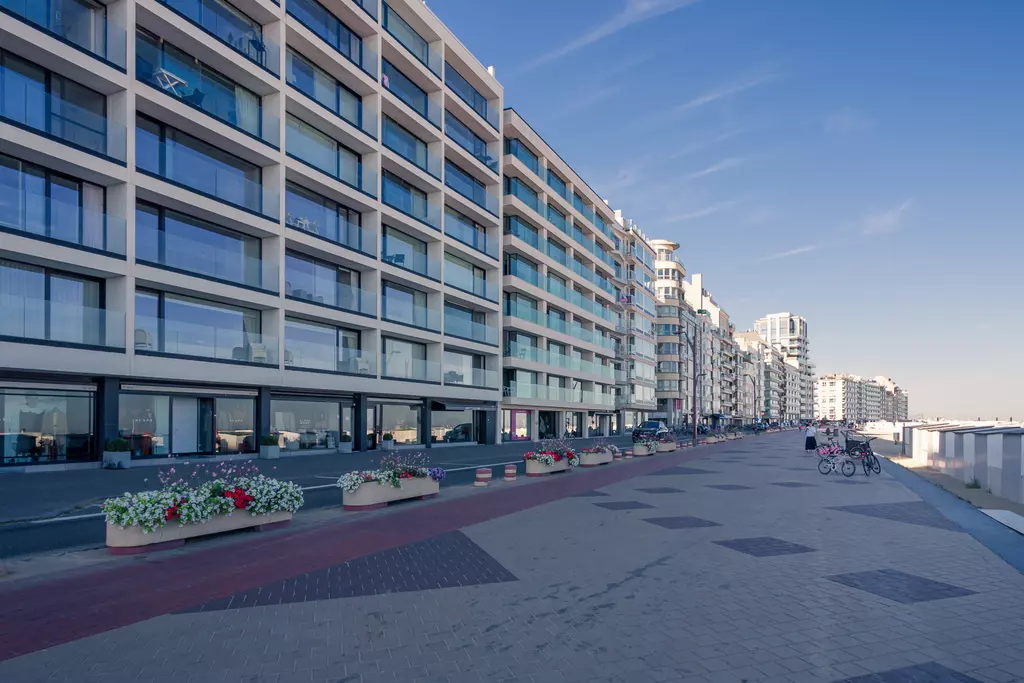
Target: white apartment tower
{"type": "Point", "coordinates": [788, 333]}
{"type": "Point", "coordinates": [246, 218]}
{"type": "Point", "coordinates": [850, 398]}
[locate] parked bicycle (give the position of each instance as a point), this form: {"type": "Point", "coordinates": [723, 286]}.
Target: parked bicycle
{"type": "Point", "coordinates": [862, 451]}
{"type": "Point", "coordinates": [837, 462]}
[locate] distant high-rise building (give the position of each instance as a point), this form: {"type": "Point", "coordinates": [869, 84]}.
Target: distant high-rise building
{"type": "Point", "coordinates": [850, 398]}
{"type": "Point", "coordinates": [788, 333]}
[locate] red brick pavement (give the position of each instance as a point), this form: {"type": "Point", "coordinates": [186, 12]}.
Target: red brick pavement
{"type": "Point", "coordinates": [80, 604]}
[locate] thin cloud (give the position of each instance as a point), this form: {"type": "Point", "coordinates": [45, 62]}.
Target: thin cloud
{"type": "Point", "coordinates": [791, 252]}
{"type": "Point", "coordinates": [703, 212]}
{"type": "Point", "coordinates": [587, 100]}
{"type": "Point", "coordinates": [886, 221]}
{"type": "Point", "coordinates": [704, 144]}
{"type": "Point", "coordinates": [847, 121]}
{"type": "Point", "coordinates": [635, 12]}
{"type": "Point", "coordinates": [723, 165]}
{"type": "Point", "coordinates": [723, 92]}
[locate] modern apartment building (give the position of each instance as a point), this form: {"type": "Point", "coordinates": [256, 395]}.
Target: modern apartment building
{"type": "Point", "coordinates": [220, 221]}
{"type": "Point", "coordinates": [788, 333]}
{"type": "Point", "coordinates": [850, 398]}
{"type": "Point", "coordinates": [637, 396]}
{"type": "Point", "coordinates": [563, 334]}
{"type": "Point", "coordinates": [676, 325]}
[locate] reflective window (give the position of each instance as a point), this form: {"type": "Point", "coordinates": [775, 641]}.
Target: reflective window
{"type": "Point", "coordinates": [401, 421]}
{"type": "Point", "coordinates": [45, 426]}
{"type": "Point", "coordinates": [466, 230]}
{"type": "Point", "coordinates": [453, 426]}
{"type": "Point", "coordinates": [404, 88]}
{"type": "Point", "coordinates": [517, 149]}
{"type": "Point", "coordinates": [461, 87]}
{"type": "Point", "coordinates": [306, 425]}
{"type": "Point", "coordinates": [468, 140]}
{"type": "Point", "coordinates": [308, 211]}
{"type": "Point", "coordinates": [403, 196]}
{"type": "Point", "coordinates": [331, 30]}
{"type": "Point", "coordinates": [465, 184]}
{"type": "Point", "coordinates": [400, 140]}
{"type": "Point", "coordinates": [323, 347]}
{"type": "Point", "coordinates": [404, 305]}
{"type": "Point", "coordinates": [43, 304]}
{"type": "Point", "coordinates": [405, 251]}
{"type": "Point", "coordinates": [557, 184]}
{"type": "Point", "coordinates": [321, 282]}
{"type": "Point", "coordinates": [320, 150]}
{"type": "Point", "coordinates": [406, 35]}
{"type": "Point", "coordinates": [316, 83]}
{"type": "Point", "coordinates": [230, 25]}
{"type": "Point", "coordinates": [175, 324]}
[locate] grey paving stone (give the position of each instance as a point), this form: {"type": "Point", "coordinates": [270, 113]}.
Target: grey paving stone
{"type": "Point", "coordinates": [899, 586]}
{"type": "Point", "coordinates": [624, 505]}
{"type": "Point", "coordinates": [765, 546]}
{"type": "Point", "coordinates": [792, 484]}
{"type": "Point", "coordinates": [918, 512]}
{"type": "Point", "coordinates": [729, 487]}
{"type": "Point", "coordinates": [660, 489]}
{"type": "Point", "coordinates": [590, 494]}
{"type": "Point", "coordinates": [849, 482]}
{"type": "Point", "coordinates": [930, 672]}
{"type": "Point", "coordinates": [680, 470]}
{"type": "Point", "coordinates": [682, 522]}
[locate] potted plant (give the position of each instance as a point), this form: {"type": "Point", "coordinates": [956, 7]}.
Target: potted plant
{"type": "Point", "coordinates": [539, 463]}
{"type": "Point", "coordinates": [346, 443]}
{"type": "Point", "coordinates": [270, 448]}
{"type": "Point", "coordinates": [396, 478]}
{"type": "Point", "coordinates": [666, 445]}
{"type": "Point", "coordinates": [225, 499]}
{"type": "Point", "coordinates": [117, 454]}
{"type": "Point", "coordinates": [594, 456]}
{"type": "Point", "coordinates": [387, 442]}
{"type": "Point", "coordinates": [645, 447]}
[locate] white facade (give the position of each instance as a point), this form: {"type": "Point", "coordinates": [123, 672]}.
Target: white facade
{"type": "Point", "coordinates": [284, 221]}
{"type": "Point", "coordinates": [788, 333]}
{"type": "Point", "coordinates": [851, 398]}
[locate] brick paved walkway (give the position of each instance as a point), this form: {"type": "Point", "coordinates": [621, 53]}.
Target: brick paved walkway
{"type": "Point", "coordinates": [698, 566]}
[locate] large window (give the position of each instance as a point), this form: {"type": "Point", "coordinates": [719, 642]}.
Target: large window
{"type": "Point", "coordinates": [331, 30]}
{"type": "Point", "coordinates": [314, 346]}
{"type": "Point", "coordinates": [316, 83]}
{"type": "Point", "coordinates": [466, 230]}
{"type": "Point", "coordinates": [321, 282]}
{"type": "Point", "coordinates": [514, 225]}
{"type": "Point", "coordinates": [168, 238]}
{"type": "Point", "coordinates": [468, 140]}
{"type": "Point", "coordinates": [45, 425]}
{"type": "Point", "coordinates": [454, 426]}
{"type": "Point", "coordinates": [516, 188]}
{"type": "Point", "coordinates": [470, 95]}
{"type": "Point", "coordinates": [399, 140]}
{"type": "Point", "coordinates": [516, 148]}
{"type": "Point", "coordinates": [40, 202]}
{"type": "Point", "coordinates": [321, 151]}
{"type": "Point", "coordinates": [80, 22]}
{"type": "Point", "coordinates": [307, 425]}
{"type": "Point", "coordinates": [468, 186]}
{"type": "Point", "coordinates": [522, 268]}
{"type": "Point", "coordinates": [181, 75]}
{"type": "Point", "coordinates": [405, 251]}
{"type": "Point", "coordinates": [464, 322]}
{"type": "Point", "coordinates": [42, 100]}
{"type": "Point", "coordinates": [408, 199]}
{"type": "Point", "coordinates": [466, 276]}
{"type": "Point", "coordinates": [402, 421]}
{"type": "Point", "coordinates": [407, 36]}
{"type": "Point", "coordinates": [523, 307]}
{"type": "Point", "coordinates": [158, 425]}
{"type": "Point", "coordinates": [199, 166]}
{"type": "Point", "coordinates": [230, 25]}
{"type": "Point", "coordinates": [48, 305]}
{"type": "Point", "coordinates": [403, 359]}
{"type": "Point", "coordinates": [557, 218]}
{"type": "Point", "coordinates": [310, 212]}
{"type": "Point", "coordinates": [169, 323]}
{"type": "Point", "coordinates": [557, 184]}
{"type": "Point", "coordinates": [408, 92]}
{"type": "Point", "coordinates": [408, 306]}
{"type": "Point", "coordinates": [463, 368]}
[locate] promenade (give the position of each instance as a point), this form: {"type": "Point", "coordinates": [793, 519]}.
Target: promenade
{"type": "Point", "coordinates": [726, 563]}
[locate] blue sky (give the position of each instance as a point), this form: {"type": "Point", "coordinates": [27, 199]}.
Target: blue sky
{"type": "Point", "coordinates": [860, 163]}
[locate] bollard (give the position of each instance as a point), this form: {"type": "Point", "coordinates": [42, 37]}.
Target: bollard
{"type": "Point", "coordinates": [483, 477]}
{"type": "Point", "coordinates": [617, 454]}
{"type": "Point", "coordinates": [629, 453]}
{"type": "Point", "coordinates": [510, 472]}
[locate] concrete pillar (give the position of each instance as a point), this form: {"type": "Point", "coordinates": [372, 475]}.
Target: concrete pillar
{"type": "Point", "coordinates": [107, 402]}
{"type": "Point", "coordinates": [359, 426]}
{"type": "Point", "coordinates": [425, 422]}
{"type": "Point", "coordinates": [262, 413]}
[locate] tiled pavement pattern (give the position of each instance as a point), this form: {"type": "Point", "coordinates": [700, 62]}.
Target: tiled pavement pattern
{"type": "Point", "coordinates": [729, 487]}
{"type": "Point", "coordinates": [792, 484]}
{"type": "Point", "coordinates": [765, 546]}
{"type": "Point", "coordinates": [683, 522]}
{"type": "Point", "coordinates": [660, 489]}
{"type": "Point", "coordinates": [444, 561]}
{"type": "Point", "coordinates": [624, 505]}
{"type": "Point", "coordinates": [917, 512]}
{"type": "Point", "coordinates": [899, 586]}
{"type": "Point", "coordinates": [591, 494]}
{"type": "Point", "coordinates": [610, 597]}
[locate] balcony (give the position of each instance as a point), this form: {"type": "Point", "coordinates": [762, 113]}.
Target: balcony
{"type": "Point", "coordinates": [32, 213]}
{"type": "Point", "coordinates": [470, 188]}
{"type": "Point", "coordinates": [515, 188]}
{"type": "Point", "coordinates": [310, 146]}
{"type": "Point", "coordinates": [557, 253]}
{"type": "Point", "coordinates": [514, 226]}
{"type": "Point", "coordinates": [83, 25]}
{"type": "Point", "coordinates": [337, 295]}
{"type": "Point", "coordinates": [400, 196]}
{"type": "Point", "coordinates": [307, 354]}
{"type": "Point", "coordinates": [417, 262]}
{"type": "Point", "coordinates": [469, 141]}
{"type": "Point", "coordinates": [471, 96]}
{"type": "Point", "coordinates": [30, 320]}
{"type": "Point", "coordinates": [523, 390]}
{"type": "Point", "coordinates": [478, 377]}
{"type": "Point", "coordinates": [464, 279]}
{"type": "Point", "coordinates": [204, 341]}
{"type": "Point", "coordinates": [410, 94]}
{"type": "Point", "coordinates": [418, 316]}
{"type": "Point", "coordinates": [180, 76]}
{"type": "Point", "coordinates": [229, 26]}
{"type": "Point", "coordinates": [332, 225]}
{"type": "Point", "coordinates": [456, 326]}
{"type": "Point", "coordinates": [523, 312]}
{"type": "Point", "coordinates": [469, 235]}
{"type": "Point", "coordinates": [411, 369]}
{"type": "Point", "coordinates": [211, 256]}
{"type": "Point", "coordinates": [411, 148]}
{"type": "Point", "coordinates": [329, 29]}
{"type": "Point", "coordinates": [407, 37]}
{"type": "Point", "coordinates": [321, 87]}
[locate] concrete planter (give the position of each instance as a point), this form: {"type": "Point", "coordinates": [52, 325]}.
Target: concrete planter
{"type": "Point", "coordinates": [537, 469]}
{"type": "Point", "coordinates": [372, 495]}
{"type": "Point", "coordinates": [117, 460]}
{"type": "Point", "coordinates": [666, 446]}
{"type": "Point", "coordinates": [640, 449]}
{"type": "Point", "coordinates": [387, 445]}
{"type": "Point", "coordinates": [270, 452]}
{"type": "Point", "coordinates": [345, 447]}
{"type": "Point", "coordinates": [603, 457]}
{"type": "Point", "coordinates": [131, 539]}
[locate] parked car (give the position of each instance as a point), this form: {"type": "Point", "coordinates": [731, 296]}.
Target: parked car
{"type": "Point", "coordinates": [649, 429]}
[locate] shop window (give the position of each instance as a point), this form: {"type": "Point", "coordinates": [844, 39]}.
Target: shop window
{"type": "Point", "coordinates": [45, 426]}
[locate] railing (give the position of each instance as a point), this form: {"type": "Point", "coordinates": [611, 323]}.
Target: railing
{"type": "Point", "coordinates": [204, 341]}
{"type": "Point", "coordinates": [341, 296]}
{"type": "Point", "coordinates": [205, 258]}
{"type": "Point", "coordinates": [514, 227]}
{"type": "Point", "coordinates": [184, 81]}
{"type": "Point", "coordinates": [463, 184]}
{"type": "Point", "coordinates": [523, 312]}
{"type": "Point", "coordinates": [478, 377]}
{"type": "Point", "coordinates": [29, 319]}
{"type": "Point", "coordinates": [399, 197]}
{"type": "Point", "coordinates": [411, 368]}
{"type": "Point", "coordinates": [33, 213]}
{"type": "Point", "coordinates": [469, 235]}
{"type": "Point", "coordinates": [310, 355]}
{"type": "Point", "coordinates": [523, 390]}
{"type": "Point", "coordinates": [523, 272]}
{"type": "Point", "coordinates": [365, 116]}
{"type": "Point", "coordinates": [225, 25]}
{"type": "Point", "coordinates": [89, 28]}
{"type": "Point", "coordinates": [415, 261]}
{"type": "Point", "coordinates": [470, 141]}
{"type": "Point", "coordinates": [317, 19]}
{"type": "Point", "coordinates": [468, 329]}
{"type": "Point", "coordinates": [334, 228]}
{"type": "Point", "coordinates": [519, 190]}
{"type": "Point", "coordinates": [60, 118]}
{"type": "Point", "coordinates": [456, 276]}
{"type": "Point", "coordinates": [410, 94]}
{"type": "Point", "coordinates": [412, 41]}
{"type": "Point", "coordinates": [471, 96]}
{"type": "Point", "coordinates": [556, 253]}
{"type": "Point", "coordinates": [302, 145]}
{"type": "Point", "coordinates": [423, 318]}
{"type": "Point", "coordinates": [403, 143]}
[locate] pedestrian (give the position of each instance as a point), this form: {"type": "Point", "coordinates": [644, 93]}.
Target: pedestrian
{"type": "Point", "coordinates": [811, 443]}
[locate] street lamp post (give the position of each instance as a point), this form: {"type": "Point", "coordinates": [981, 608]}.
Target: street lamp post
{"type": "Point", "coordinates": [753, 390]}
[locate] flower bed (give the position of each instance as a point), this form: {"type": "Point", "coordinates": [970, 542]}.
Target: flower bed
{"type": "Point", "coordinates": [397, 478]}
{"type": "Point", "coordinates": [594, 456]}
{"type": "Point", "coordinates": [548, 461]}
{"type": "Point", "coordinates": [182, 510]}
{"type": "Point", "coordinates": [645, 448]}
{"type": "Point", "coordinates": [666, 446]}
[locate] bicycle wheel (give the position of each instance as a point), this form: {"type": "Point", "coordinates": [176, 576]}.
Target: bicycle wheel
{"type": "Point", "coordinates": [867, 467]}
{"type": "Point", "coordinates": [848, 468]}
{"type": "Point", "coordinates": [876, 466]}
{"type": "Point", "coordinates": [823, 466]}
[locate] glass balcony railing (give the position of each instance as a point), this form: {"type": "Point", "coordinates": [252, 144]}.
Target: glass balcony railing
{"type": "Point", "coordinates": [205, 341]}
{"type": "Point", "coordinates": [311, 355]}
{"type": "Point", "coordinates": [353, 110]}
{"type": "Point", "coordinates": [524, 194]}
{"type": "Point", "coordinates": [463, 279]}
{"type": "Point", "coordinates": [469, 188]}
{"type": "Point", "coordinates": [28, 319]}
{"type": "Point", "coordinates": [333, 227]}
{"type": "Point", "coordinates": [410, 368]}
{"type": "Point", "coordinates": [63, 119]}
{"type": "Point", "coordinates": [33, 213]}
{"type": "Point", "coordinates": [398, 196]}
{"type": "Point", "coordinates": [523, 271]}
{"type": "Point", "coordinates": [190, 167]}
{"type": "Point", "coordinates": [598, 398]}
{"type": "Point", "coordinates": [532, 354]}
{"type": "Point", "coordinates": [424, 318]}
{"type": "Point", "coordinates": [188, 82]}
{"type": "Point", "coordinates": [242, 34]}
{"type": "Point", "coordinates": [307, 146]}
{"type": "Point", "coordinates": [470, 141]}
{"type": "Point", "coordinates": [557, 253]}
{"type": "Point", "coordinates": [557, 324]}
{"type": "Point", "coordinates": [477, 377]}
{"type": "Point", "coordinates": [368, 6]}
{"type": "Point", "coordinates": [326, 26]}
{"type": "Point", "coordinates": [471, 96]}
{"type": "Point", "coordinates": [78, 22]}
{"type": "Point", "coordinates": [557, 288]}
{"type": "Point", "coordinates": [410, 94]}
{"type": "Point", "coordinates": [410, 148]}
{"type": "Point", "coordinates": [468, 329]}
{"type": "Point", "coordinates": [415, 261]}
{"type": "Point", "coordinates": [206, 258]}
{"type": "Point", "coordinates": [524, 390]}
{"type": "Point", "coordinates": [469, 235]}
{"type": "Point", "coordinates": [343, 296]}
{"type": "Point", "coordinates": [523, 312]}
{"type": "Point", "coordinates": [514, 227]}
{"type": "Point", "coordinates": [557, 219]}
{"type": "Point", "coordinates": [412, 41]}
